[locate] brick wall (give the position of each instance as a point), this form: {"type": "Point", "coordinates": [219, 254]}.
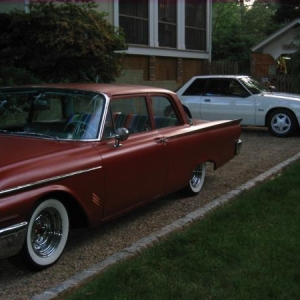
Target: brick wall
{"type": "Point", "coordinates": [262, 65]}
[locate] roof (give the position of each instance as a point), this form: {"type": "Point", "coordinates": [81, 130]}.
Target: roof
{"type": "Point", "coordinates": [220, 76]}
{"type": "Point", "coordinates": [110, 89]}
{"type": "Point", "coordinates": [276, 35]}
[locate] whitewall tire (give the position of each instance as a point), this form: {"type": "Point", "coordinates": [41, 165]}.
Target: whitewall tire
{"type": "Point", "coordinates": [47, 235]}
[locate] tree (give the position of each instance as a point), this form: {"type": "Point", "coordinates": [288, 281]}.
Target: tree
{"type": "Point", "coordinates": [294, 64]}
{"type": "Point", "coordinates": [225, 30]}
{"type": "Point", "coordinates": [65, 42]}
{"type": "Point", "coordinates": [287, 11]}
{"type": "Point", "coordinates": [258, 20]}
{"type": "Point", "coordinates": [237, 27]}
{"type": "Point", "coordinates": [16, 76]}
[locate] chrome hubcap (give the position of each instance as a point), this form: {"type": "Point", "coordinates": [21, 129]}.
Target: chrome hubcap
{"type": "Point", "coordinates": [197, 176]}
{"type": "Point", "coordinates": [46, 232]}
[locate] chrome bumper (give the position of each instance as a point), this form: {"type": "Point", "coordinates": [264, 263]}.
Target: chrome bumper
{"type": "Point", "coordinates": [12, 239]}
{"type": "Point", "coordinates": [238, 147]}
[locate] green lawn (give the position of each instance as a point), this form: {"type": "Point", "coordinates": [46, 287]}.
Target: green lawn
{"type": "Point", "coordinates": [248, 249]}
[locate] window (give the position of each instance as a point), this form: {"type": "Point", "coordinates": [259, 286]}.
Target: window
{"type": "Point", "coordinates": [167, 27]}
{"type": "Point", "coordinates": [195, 25]}
{"type": "Point", "coordinates": [14, 107]}
{"type": "Point", "coordinates": [70, 115]}
{"type": "Point", "coordinates": [218, 87]}
{"type": "Point", "coordinates": [226, 88]}
{"type": "Point", "coordinates": [130, 113]}
{"type": "Point", "coordinates": [49, 109]}
{"type": "Point", "coordinates": [163, 112]}
{"type": "Point", "coordinates": [134, 19]}
{"type": "Point", "coordinates": [196, 88]}
{"type": "Point", "coordinates": [58, 113]}
{"type": "Point", "coordinates": [165, 24]}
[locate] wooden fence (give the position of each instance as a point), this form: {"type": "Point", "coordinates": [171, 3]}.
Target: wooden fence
{"type": "Point", "coordinates": [284, 83]}
{"type": "Point", "coordinates": [220, 67]}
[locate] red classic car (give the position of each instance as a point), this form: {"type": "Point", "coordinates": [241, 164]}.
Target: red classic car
{"type": "Point", "coordinates": [83, 154]}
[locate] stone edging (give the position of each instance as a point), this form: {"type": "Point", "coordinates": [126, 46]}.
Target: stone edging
{"type": "Point", "coordinates": [146, 242]}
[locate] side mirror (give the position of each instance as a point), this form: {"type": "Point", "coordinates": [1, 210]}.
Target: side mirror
{"type": "Point", "coordinates": [121, 135]}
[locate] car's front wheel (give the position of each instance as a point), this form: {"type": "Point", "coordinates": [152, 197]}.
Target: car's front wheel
{"type": "Point", "coordinates": [196, 181]}
{"type": "Point", "coordinates": [282, 123]}
{"type": "Point", "coordinates": [47, 235]}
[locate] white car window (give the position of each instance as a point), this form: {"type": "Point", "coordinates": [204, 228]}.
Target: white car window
{"type": "Point", "coordinates": [196, 88]}
{"type": "Point", "coordinates": [226, 87]}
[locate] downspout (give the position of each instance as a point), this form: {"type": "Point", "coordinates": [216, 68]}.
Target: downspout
{"type": "Point", "coordinates": [209, 28]}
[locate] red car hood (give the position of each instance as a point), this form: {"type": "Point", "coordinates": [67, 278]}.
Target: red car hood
{"type": "Point", "coordinates": [24, 160]}
{"type": "Point", "coordinates": [14, 149]}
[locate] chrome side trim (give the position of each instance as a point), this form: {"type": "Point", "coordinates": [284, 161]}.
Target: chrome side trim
{"type": "Point", "coordinates": [13, 229]}
{"type": "Point", "coordinates": [47, 180]}
{"type": "Point", "coordinates": [12, 239]}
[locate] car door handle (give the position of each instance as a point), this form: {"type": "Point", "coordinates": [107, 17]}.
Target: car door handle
{"type": "Point", "coordinates": [206, 100]}
{"type": "Point", "coordinates": [161, 140]}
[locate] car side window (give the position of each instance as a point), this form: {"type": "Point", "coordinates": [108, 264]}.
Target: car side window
{"type": "Point", "coordinates": [129, 112]}
{"type": "Point", "coordinates": [226, 87]}
{"type": "Point", "coordinates": [163, 112]}
{"type": "Point", "coordinates": [196, 87]}
{"type": "Point", "coordinates": [218, 87]}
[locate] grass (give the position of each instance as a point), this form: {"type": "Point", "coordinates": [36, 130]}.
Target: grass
{"type": "Point", "coordinates": [249, 249]}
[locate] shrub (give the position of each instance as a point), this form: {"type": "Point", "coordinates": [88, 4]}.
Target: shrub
{"type": "Point", "coordinates": [62, 42]}
{"type": "Point", "coordinates": [16, 76]}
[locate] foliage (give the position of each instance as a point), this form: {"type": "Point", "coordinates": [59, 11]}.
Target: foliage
{"type": "Point", "coordinates": [294, 67]}
{"type": "Point", "coordinates": [236, 28]}
{"type": "Point", "coordinates": [258, 21]}
{"type": "Point", "coordinates": [16, 76]}
{"type": "Point", "coordinates": [65, 42]}
{"type": "Point", "coordinates": [287, 11]}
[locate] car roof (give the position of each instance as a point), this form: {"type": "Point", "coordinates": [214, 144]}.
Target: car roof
{"type": "Point", "coordinates": [220, 76]}
{"type": "Point", "coordinates": [110, 89]}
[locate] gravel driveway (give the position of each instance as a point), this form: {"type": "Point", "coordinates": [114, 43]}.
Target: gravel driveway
{"type": "Point", "coordinates": [260, 152]}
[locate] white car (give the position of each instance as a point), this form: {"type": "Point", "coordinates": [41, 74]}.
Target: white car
{"type": "Point", "coordinates": [228, 97]}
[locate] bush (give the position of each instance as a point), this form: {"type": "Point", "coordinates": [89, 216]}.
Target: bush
{"type": "Point", "coordinates": [62, 42]}
{"type": "Point", "coordinates": [16, 76]}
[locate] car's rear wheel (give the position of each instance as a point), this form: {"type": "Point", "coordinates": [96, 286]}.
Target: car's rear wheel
{"type": "Point", "coordinates": [47, 235]}
{"type": "Point", "coordinates": [196, 181]}
{"type": "Point", "coordinates": [282, 123]}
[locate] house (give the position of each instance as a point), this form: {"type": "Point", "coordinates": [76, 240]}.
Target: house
{"type": "Point", "coordinates": [169, 41]}
{"type": "Point", "coordinates": [272, 56]}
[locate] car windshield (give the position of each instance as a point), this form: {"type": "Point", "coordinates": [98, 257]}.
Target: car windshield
{"type": "Point", "coordinates": [51, 113]}
{"type": "Point", "coordinates": [252, 85]}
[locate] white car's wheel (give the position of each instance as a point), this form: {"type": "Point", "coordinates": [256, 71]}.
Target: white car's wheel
{"type": "Point", "coordinates": [47, 235]}
{"type": "Point", "coordinates": [196, 181]}
{"type": "Point", "coordinates": [282, 123]}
